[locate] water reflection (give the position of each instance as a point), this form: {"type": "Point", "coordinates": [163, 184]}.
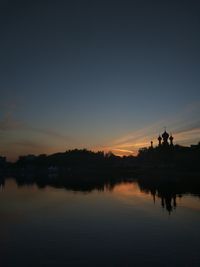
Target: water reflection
{"type": "Point", "coordinates": [167, 191]}
{"type": "Point", "coordinates": [2, 184]}
{"type": "Point", "coordinates": [100, 223]}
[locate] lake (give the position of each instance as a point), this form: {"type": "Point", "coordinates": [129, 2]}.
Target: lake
{"type": "Point", "coordinates": [118, 225]}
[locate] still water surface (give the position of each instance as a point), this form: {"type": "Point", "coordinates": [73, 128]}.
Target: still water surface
{"type": "Point", "coordinates": [121, 226]}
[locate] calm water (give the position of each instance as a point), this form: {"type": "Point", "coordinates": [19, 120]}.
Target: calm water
{"type": "Point", "coordinates": [118, 227]}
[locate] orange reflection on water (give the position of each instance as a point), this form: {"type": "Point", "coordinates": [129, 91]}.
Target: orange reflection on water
{"type": "Point", "coordinates": [130, 189]}
{"type": "Point", "coordinates": [189, 202]}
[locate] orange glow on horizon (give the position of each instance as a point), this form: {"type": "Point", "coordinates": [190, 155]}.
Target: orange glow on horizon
{"type": "Point", "coordinates": [130, 189]}
{"type": "Point", "coordinates": [130, 145]}
{"type": "Point", "coordinates": [124, 146]}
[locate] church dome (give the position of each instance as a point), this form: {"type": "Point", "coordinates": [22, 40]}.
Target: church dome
{"type": "Point", "coordinates": [165, 135]}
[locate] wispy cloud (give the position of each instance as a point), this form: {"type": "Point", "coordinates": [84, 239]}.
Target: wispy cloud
{"type": "Point", "coordinates": [184, 125]}
{"type": "Point", "coordinates": [22, 138]}
{"type": "Point", "coordinates": [10, 123]}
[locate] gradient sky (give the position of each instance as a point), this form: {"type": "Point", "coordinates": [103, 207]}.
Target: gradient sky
{"type": "Point", "coordinates": [103, 75]}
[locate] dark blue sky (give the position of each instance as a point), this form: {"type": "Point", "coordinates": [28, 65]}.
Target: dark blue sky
{"type": "Point", "coordinates": [97, 74]}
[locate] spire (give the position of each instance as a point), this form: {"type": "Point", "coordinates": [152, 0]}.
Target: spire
{"type": "Point", "coordinates": [159, 140]}
{"type": "Point", "coordinates": [165, 137]}
{"type": "Point", "coordinates": [171, 138]}
{"type": "Point", "coordinates": [151, 144]}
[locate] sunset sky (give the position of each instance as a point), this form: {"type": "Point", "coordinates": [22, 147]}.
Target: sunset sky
{"type": "Point", "coordinates": [103, 75]}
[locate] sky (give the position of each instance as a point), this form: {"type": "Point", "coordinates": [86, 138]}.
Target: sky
{"type": "Point", "coordinates": [102, 75]}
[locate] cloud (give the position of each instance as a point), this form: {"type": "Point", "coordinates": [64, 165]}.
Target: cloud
{"type": "Point", "coordinates": [23, 147]}
{"type": "Point", "coordinates": [10, 123]}
{"type": "Point", "coordinates": [184, 125]}
{"type": "Point", "coordinates": [22, 138]}
{"type": "Point", "coordinates": [49, 133]}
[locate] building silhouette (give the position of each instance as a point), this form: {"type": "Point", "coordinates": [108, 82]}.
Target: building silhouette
{"type": "Point", "coordinates": [166, 139]}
